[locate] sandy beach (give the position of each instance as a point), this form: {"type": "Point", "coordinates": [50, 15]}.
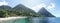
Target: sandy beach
{"type": "Point", "coordinates": [9, 18]}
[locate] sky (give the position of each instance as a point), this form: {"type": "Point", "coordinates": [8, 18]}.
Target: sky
{"type": "Point", "coordinates": [53, 6]}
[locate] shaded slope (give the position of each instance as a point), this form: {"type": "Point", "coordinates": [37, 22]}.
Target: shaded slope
{"type": "Point", "coordinates": [44, 12]}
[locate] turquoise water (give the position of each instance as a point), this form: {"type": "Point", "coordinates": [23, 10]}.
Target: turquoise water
{"type": "Point", "coordinates": [19, 20]}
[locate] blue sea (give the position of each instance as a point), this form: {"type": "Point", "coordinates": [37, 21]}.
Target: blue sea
{"type": "Point", "coordinates": [46, 20]}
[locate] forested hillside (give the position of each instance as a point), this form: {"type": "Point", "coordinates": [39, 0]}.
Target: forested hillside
{"type": "Point", "coordinates": [19, 10]}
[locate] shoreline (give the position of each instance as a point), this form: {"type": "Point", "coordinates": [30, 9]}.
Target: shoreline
{"type": "Point", "coordinates": [10, 18]}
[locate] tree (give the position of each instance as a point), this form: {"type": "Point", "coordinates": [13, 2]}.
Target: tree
{"type": "Point", "coordinates": [1, 14]}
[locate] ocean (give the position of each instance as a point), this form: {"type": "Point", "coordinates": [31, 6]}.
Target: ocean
{"type": "Point", "coordinates": [33, 20]}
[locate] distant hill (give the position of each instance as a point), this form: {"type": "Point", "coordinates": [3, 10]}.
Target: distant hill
{"type": "Point", "coordinates": [5, 7]}
{"type": "Point", "coordinates": [44, 12]}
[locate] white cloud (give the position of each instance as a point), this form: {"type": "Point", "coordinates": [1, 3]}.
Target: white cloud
{"type": "Point", "coordinates": [3, 3]}
{"type": "Point", "coordinates": [38, 7]}
{"type": "Point", "coordinates": [52, 5]}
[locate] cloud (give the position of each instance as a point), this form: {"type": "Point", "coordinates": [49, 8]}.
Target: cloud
{"type": "Point", "coordinates": [3, 3]}
{"type": "Point", "coordinates": [38, 7]}
{"type": "Point", "coordinates": [52, 5]}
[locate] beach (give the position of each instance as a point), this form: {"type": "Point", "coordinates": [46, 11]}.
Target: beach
{"type": "Point", "coordinates": [9, 18]}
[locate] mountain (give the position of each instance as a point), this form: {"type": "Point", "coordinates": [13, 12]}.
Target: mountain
{"type": "Point", "coordinates": [21, 7]}
{"type": "Point", "coordinates": [24, 10]}
{"type": "Point", "coordinates": [44, 12]}
{"type": "Point", "coordinates": [5, 7]}
{"type": "Point", "coordinates": [19, 10]}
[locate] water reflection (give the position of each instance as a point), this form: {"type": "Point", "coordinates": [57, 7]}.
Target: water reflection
{"type": "Point", "coordinates": [54, 20]}
{"type": "Point", "coordinates": [36, 20]}
{"type": "Point", "coordinates": [45, 20]}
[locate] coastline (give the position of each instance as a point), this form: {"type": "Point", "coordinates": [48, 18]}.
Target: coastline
{"type": "Point", "coordinates": [10, 18]}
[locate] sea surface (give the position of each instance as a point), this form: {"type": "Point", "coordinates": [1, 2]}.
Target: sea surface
{"type": "Point", "coordinates": [34, 20]}
{"type": "Point", "coordinates": [46, 20]}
